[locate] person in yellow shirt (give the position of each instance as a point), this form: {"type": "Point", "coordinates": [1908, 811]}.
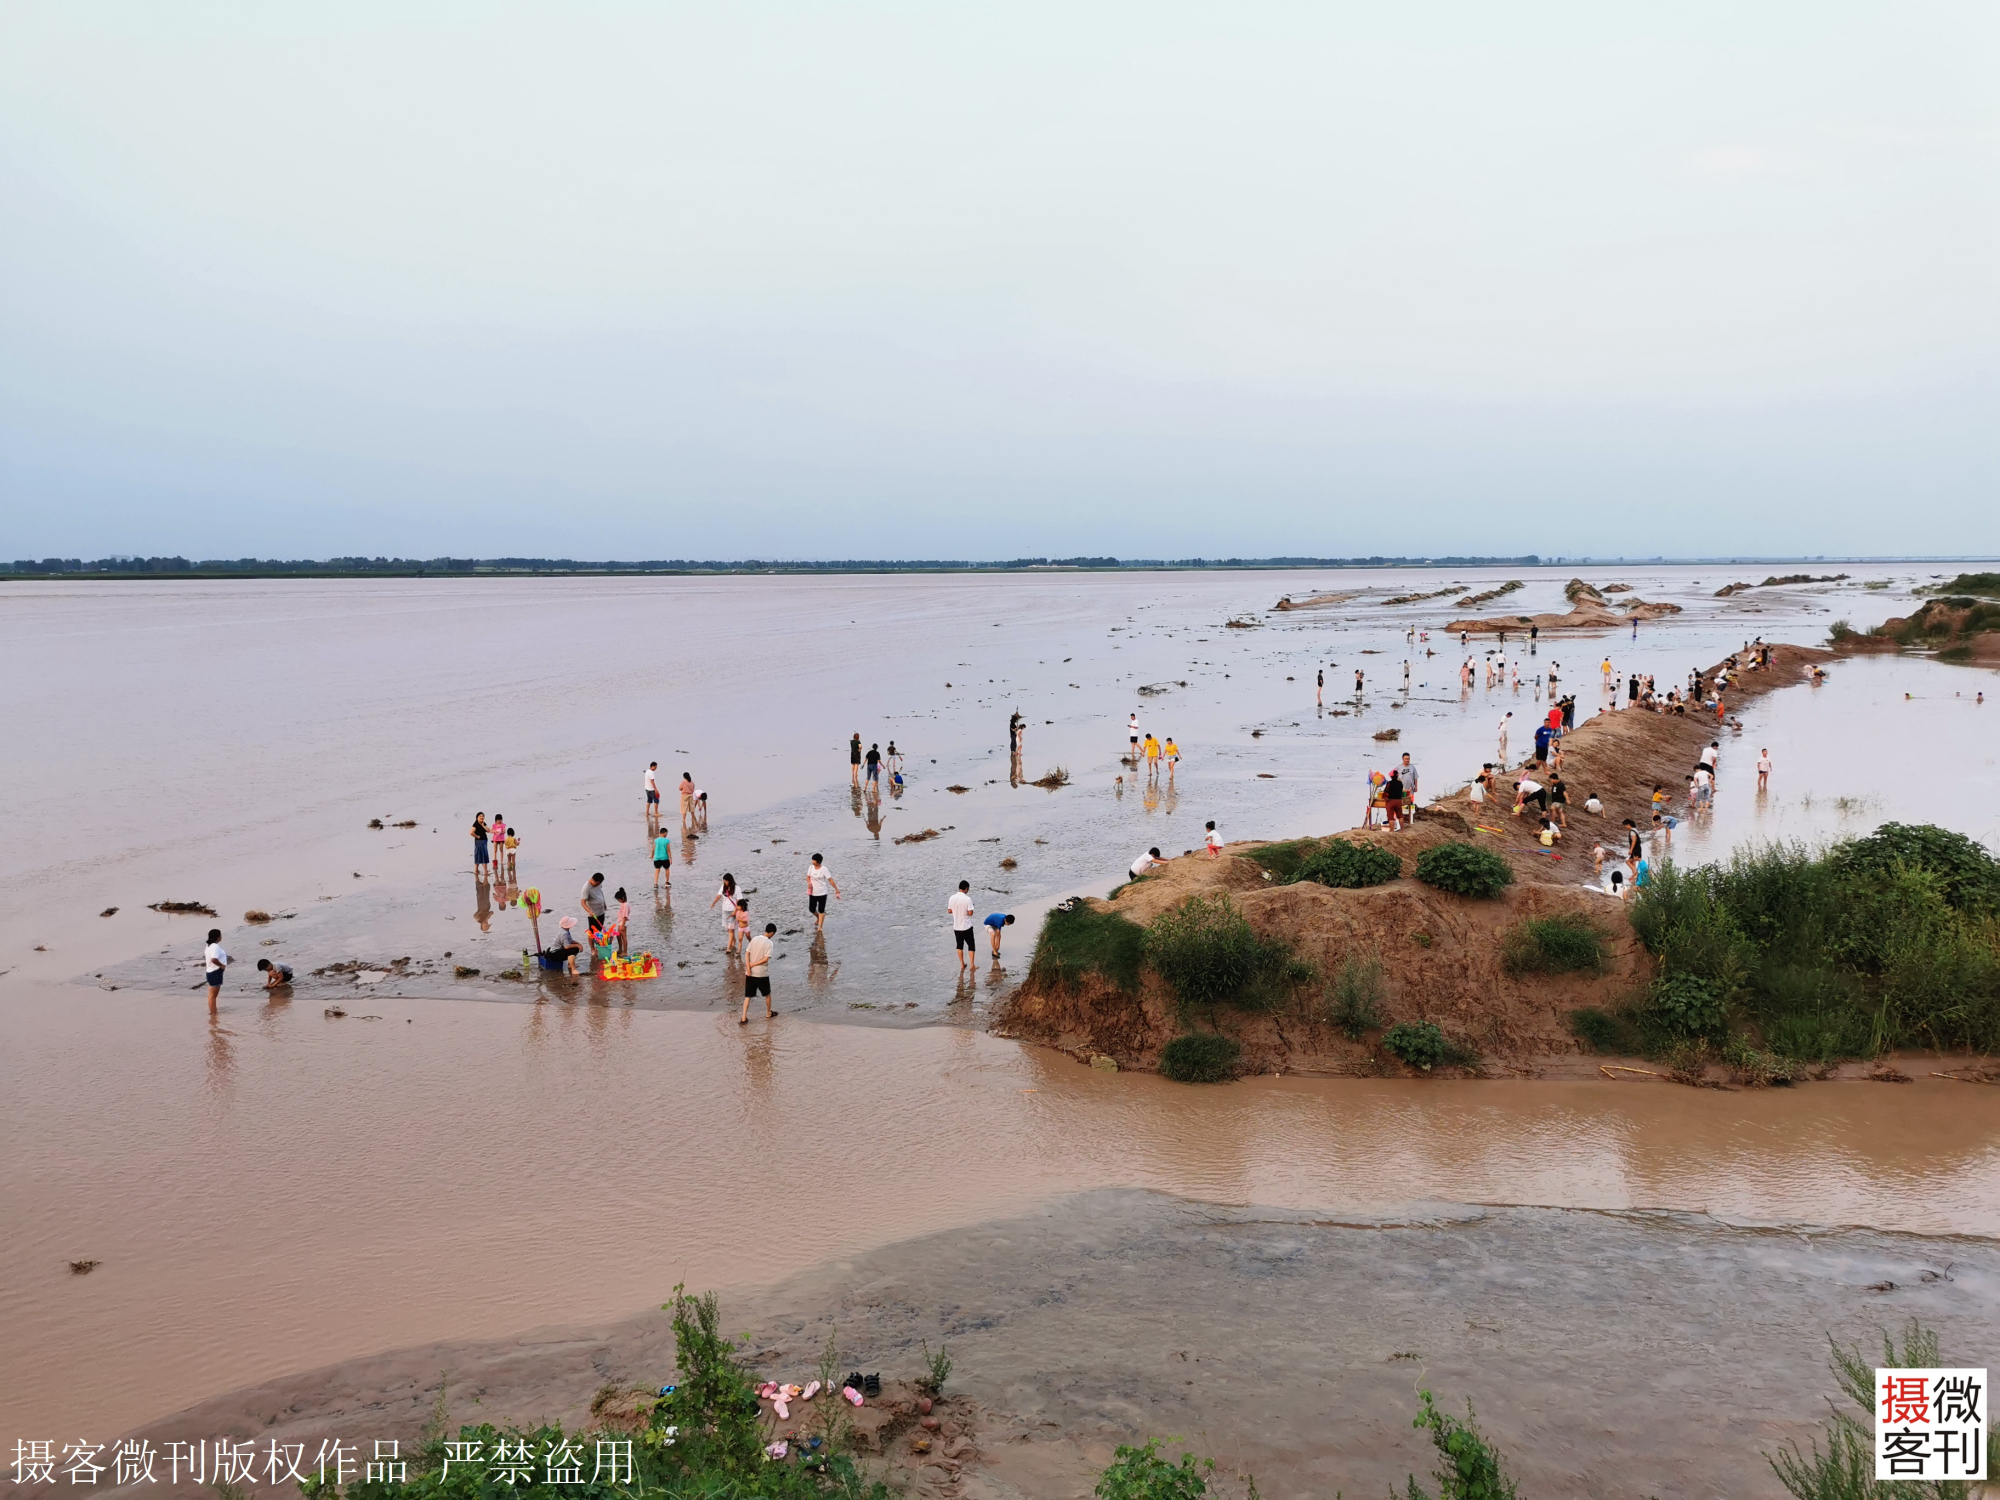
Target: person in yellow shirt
{"type": "Point", "coordinates": [1152, 755]}
{"type": "Point", "coordinates": [1172, 752]}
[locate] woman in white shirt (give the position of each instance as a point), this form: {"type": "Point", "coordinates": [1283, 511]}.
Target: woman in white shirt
{"type": "Point", "coordinates": [215, 960]}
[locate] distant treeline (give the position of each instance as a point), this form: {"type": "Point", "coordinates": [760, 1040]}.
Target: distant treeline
{"type": "Point", "coordinates": [334, 567]}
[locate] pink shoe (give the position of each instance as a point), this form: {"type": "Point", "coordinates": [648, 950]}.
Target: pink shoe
{"type": "Point", "coordinates": [849, 1393]}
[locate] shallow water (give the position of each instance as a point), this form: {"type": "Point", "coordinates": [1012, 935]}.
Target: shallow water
{"type": "Point", "coordinates": [229, 742]}
{"type": "Point", "coordinates": [280, 1188]}
{"type": "Point", "coordinates": [283, 1189]}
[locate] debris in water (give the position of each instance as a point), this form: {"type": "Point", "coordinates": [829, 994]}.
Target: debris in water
{"type": "Point", "coordinates": [334, 1012]}
{"type": "Point", "coordinates": [463, 972]}
{"type": "Point", "coordinates": [918, 838]}
{"type": "Point", "coordinates": [109, 911]}
{"type": "Point", "coordinates": [374, 822]}
{"type": "Point", "coordinates": [1388, 734]}
{"type": "Point", "coordinates": [1055, 777]}
{"type": "Point", "coordinates": [191, 908]}
{"type": "Point", "coordinates": [255, 916]}
{"type": "Point", "coordinates": [83, 1267]}
{"type": "Point", "coordinates": [955, 787]}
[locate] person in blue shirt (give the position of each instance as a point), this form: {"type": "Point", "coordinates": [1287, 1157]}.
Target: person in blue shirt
{"type": "Point", "coordinates": [663, 859]}
{"type": "Point", "coordinates": [994, 924]}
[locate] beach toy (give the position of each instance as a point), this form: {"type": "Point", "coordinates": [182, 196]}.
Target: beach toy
{"type": "Point", "coordinates": [851, 1395]}
{"type": "Point", "coordinates": [777, 1450]}
{"type": "Point", "coordinates": [638, 966]}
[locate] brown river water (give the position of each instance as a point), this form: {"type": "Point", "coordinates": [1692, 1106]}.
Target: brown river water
{"type": "Point", "coordinates": [279, 1188]}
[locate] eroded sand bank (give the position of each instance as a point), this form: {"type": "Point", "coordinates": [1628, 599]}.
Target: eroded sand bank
{"type": "Point", "coordinates": [1606, 1353]}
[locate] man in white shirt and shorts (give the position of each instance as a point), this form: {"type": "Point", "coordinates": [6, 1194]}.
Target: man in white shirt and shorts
{"type": "Point", "coordinates": [757, 970]}
{"type": "Point", "coordinates": [819, 881]}
{"type": "Point", "coordinates": [963, 934]}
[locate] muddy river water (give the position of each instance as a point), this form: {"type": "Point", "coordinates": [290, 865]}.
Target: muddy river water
{"type": "Point", "coordinates": [280, 1188]}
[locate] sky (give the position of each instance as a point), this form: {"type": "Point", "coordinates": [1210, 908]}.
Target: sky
{"type": "Point", "coordinates": [927, 280]}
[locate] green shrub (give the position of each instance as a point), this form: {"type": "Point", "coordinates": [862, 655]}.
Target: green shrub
{"type": "Point", "coordinates": [1348, 865]}
{"type": "Point", "coordinates": [1681, 918]}
{"type": "Point", "coordinates": [1468, 1465]}
{"type": "Point", "coordinates": [1840, 631]}
{"type": "Point", "coordinates": [1968, 876]}
{"type": "Point", "coordinates": [1686, 1005]}
{"type": "Point", "coordinates": [1200, 1057]}
{"type": "Point", "coordinates": [1972, 583]}
{"type": "Point", "coordinates": [1208, 955]}
{"type": "Point", "coordinates": [1423, 1045]}
{"type": "Point", "coordinates": [1353, 1001]}
{"type": "Point", "coordinates": [1084, 940]}
{"type": "Point", "coordinates": [1563, 944]}
{"type": "Point", "coordinates": [1955, 655]}
{"type": "Point", "coordinates": [1141, 1474]}
{"type": "Point", "coordinates": [1464, 870]}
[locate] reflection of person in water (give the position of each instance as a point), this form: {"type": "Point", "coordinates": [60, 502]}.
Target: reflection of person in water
{"type": "Point", "coordinates": [482, 904]}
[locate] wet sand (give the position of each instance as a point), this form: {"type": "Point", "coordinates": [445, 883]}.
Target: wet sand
{"type": "Point", "coordinates": [1627, 1354]}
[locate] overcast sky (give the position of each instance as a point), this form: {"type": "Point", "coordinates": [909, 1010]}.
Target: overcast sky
{"type": "Point", "coordinates": [944, 280]}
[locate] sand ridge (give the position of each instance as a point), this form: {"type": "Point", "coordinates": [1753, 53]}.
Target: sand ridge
{"type": "Point", "coordinates": [1441, 954]}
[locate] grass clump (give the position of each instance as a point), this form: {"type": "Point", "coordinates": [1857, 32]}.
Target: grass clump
{"type": "Point", "coordinates": [1282, 860]}
{"type": "Point", "coordinates": [706, 1437]}
{"type": "Point", "coordinates": [1142, 1474]}
{"type": "Point", "coordinates": [937, 1369]}
{"type": "Point", "coordinates": [1353, 1000]}
{"type": "Point", "coordinates": [1423, 1045]}
{"type": "Point", "coordinates": [1200, 1057]}
{"type": "Point", "coordinates": [1892, 940]}
{"type": "Point", "coordinates": [1208, 954]}
{"type": "Point", "coordinates": [1464, 870]}
{"type": "Point", "coordinates": [1349, 866]}
{"type": "Point", "coordinates": [1084, 941]}
{"type": "Point", "coordinates": [1564, 944]}
{"type": "Point", "coordinates": [1469, 1466]}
